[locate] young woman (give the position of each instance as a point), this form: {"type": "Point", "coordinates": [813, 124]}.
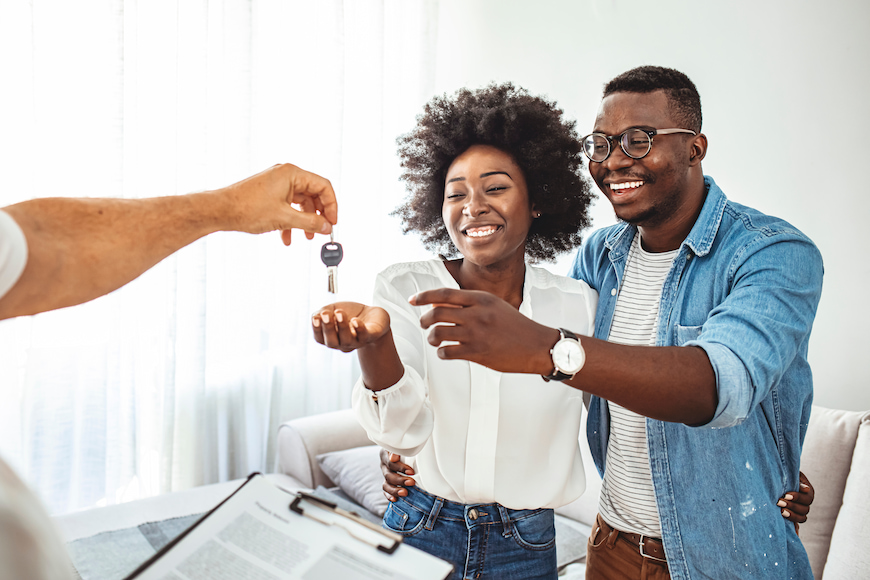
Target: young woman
{"type": "Point", "coordinates": [494, 178]}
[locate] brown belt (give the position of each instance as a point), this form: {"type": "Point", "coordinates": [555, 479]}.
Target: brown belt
{"type": "Point", "coordinates": [651, 548]}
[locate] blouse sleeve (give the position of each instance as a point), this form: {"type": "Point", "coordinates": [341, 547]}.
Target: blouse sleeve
{"type": "Point", "coordinates": [398, 418]}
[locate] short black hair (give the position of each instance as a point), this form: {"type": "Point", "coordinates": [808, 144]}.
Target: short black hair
{"type": "Point", "coordinates": [683, 97]}
{"type": "Point", "coordinates": [531, 129]}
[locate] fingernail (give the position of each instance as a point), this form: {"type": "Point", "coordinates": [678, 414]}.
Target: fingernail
{"type": "Point", "coordinates": [805, 485]}
{"type": "Point", "coordinates": [409, 482]}
{"type": "Point", "coordinates": [325, 317]}
{"type": "Point", "coordinates": [354, 323]}
{"type": "Point", "coordinates": [339, 317]}
{"type": "Point", "coordinates": [316, 322]}
{"type": "Point", "coordinates": [326, 228]}
{"type": "Point", "coordinates": [788, 496]}
{"type": "Point", "coordinates": [785, 513]}
{"type": "Point", "coordinates": [781, 503]}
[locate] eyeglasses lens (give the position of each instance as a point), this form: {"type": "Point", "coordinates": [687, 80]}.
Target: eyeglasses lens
{"type": "Point", "coordinates": [596, 147]}
{"type": "Point", "coordinates": [636, 143]}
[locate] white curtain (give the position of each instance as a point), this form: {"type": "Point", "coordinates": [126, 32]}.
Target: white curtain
{"type": "Point", "coordinates": [182, 377]}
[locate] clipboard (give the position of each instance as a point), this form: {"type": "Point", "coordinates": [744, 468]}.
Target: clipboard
{"type": "Point", "coordinates": [390, 540]}
{"type": "Point", "coordinates": [263, 531]}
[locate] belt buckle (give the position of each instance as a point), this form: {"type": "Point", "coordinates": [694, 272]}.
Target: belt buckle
{"type": "Point", "coordinates": [650, 556]}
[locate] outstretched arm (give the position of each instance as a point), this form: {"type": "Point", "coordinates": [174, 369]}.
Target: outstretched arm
{"type": "Point", "coordinates": [391, 401]}
{"type": "Point", "coordinates": [79, 249]}
{"type": "Point", "coordinates": [665, 383]}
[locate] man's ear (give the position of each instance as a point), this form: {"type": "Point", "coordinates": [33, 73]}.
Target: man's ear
{"type": "Point", "coordinates": [698, 149]}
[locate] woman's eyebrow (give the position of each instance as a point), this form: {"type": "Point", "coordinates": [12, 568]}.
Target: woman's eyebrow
{"type": "Point", "coordinates": [482, 175]}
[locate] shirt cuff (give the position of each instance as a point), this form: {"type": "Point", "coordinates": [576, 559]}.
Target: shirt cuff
{"type": "Point", "coordinates": [13, 252]}
{"type": "Point", "coordinates": [733, 385]}
{"type": "Point", "coordinates": [389, 390]}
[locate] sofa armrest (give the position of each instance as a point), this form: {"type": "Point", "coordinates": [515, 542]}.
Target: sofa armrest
{"type": "Point", "coordinates": [301, 440]}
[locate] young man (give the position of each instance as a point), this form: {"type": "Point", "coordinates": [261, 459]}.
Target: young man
{"type": "Point", "coordinates": [56, 252]}
{"type": "Point", "coordinates": [698, 372]}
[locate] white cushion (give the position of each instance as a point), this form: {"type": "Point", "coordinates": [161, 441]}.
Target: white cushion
{"type": "Point", "coordinates": [357, 472]}
{"type": "Point", "coordinates": [826, 460]}
{"type": "Point", "coordinates": [849, 556]}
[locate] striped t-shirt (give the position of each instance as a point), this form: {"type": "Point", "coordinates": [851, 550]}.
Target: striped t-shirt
{"type": "Point", "coordinates": [627, 500]}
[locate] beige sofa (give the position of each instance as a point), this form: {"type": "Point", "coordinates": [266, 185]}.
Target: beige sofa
{"type": "Point", "coordinates": [332, 450]}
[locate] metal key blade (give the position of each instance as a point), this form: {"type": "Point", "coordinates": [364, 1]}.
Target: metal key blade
{"type": "Point", "coordinates": [332, 279]}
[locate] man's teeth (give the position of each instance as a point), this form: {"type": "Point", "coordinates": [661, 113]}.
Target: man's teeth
{"type": "Point", "coordinates": [626, 185]}
{"type": "Point", "coordinates": [480, 232]}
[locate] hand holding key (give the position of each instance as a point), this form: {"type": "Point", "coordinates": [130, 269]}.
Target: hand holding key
{"type": "Point", "coordinates": [347, 326]}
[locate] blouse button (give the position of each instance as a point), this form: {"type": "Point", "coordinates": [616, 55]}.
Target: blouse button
{"type": "Point", "coordinates": [613, 292]}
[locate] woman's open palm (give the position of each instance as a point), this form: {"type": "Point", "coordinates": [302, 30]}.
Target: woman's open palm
{"type": "Point", "coordinates": [347, 326]}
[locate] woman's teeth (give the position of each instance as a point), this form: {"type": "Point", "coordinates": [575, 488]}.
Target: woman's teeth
{"type": "Point", "coordinates": [480, 232]}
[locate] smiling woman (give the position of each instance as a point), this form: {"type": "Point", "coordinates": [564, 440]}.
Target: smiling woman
{"type": "Point", "coordinates": [494, 178]}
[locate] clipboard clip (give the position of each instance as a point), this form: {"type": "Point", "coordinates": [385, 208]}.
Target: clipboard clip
{"type": "Point", "coordinates": [393, 539]}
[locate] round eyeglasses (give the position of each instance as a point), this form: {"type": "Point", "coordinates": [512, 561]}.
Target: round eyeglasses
{"type": "Point", "coordinates": [636, 143]}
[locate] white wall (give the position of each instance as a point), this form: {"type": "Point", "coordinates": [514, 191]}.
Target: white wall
{"type": "Point", "coordinates": [783, 86]}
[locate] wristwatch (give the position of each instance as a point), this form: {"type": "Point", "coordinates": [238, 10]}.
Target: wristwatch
{"type": "Point", "coordinates": [568, 357]}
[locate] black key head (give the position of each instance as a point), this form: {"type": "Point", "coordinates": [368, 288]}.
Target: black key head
{"type": "Point", "coordinates": [331, 253]}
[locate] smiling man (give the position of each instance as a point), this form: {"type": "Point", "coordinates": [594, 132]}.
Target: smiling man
{"type": "Point", "coordinates": [701, 389]}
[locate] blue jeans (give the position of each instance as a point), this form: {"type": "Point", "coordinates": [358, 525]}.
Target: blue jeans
{"type": "Point", "coordinates": [482, 541]}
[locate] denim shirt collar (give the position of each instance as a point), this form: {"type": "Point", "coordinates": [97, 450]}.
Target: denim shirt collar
{"type": "Point", "coordinates": [700, 238]}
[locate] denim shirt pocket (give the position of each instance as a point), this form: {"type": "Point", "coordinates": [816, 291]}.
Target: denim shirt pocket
{"type": "Point", "coordinates": [684, 334]}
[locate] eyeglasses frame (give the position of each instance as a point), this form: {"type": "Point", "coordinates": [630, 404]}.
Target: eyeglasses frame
{"type": "Point", "coordinates": [650, 133]}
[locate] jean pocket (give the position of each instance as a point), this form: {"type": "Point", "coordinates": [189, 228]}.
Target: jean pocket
{"type": "Point", "coordinates": [403, 518]}
{"type": "Point", "coordinates": [536, 532]}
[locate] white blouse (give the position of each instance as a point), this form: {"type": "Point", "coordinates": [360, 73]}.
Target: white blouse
{"type": "Point", "coordinates": [475, 435]}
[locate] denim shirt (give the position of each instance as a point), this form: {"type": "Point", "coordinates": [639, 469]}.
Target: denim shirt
{"type": "Point", "coordinates": [744, 287]}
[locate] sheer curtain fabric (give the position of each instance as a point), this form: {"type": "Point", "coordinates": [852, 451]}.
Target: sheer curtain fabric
{"type": "Point", "coordinates": [181, 377]}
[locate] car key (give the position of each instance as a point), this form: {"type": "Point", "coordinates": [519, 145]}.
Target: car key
{"type": "Point", "coordinates": [331, 253]}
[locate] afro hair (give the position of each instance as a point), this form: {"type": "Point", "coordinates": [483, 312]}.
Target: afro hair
{"type": "Point", "coordinates": [530, 129]}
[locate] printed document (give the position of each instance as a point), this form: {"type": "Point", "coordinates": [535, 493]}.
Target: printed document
{"type": "Point", "coordinates": [254, 535]}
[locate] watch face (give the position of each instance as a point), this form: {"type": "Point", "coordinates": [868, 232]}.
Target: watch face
{"type": "Point", "coordinates": [568, 356]}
